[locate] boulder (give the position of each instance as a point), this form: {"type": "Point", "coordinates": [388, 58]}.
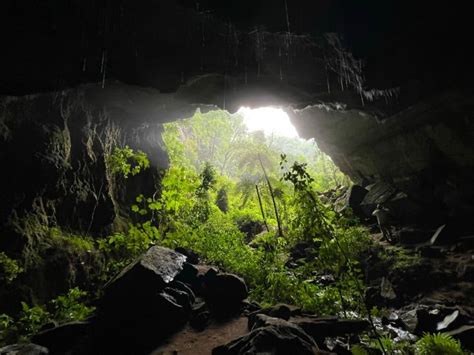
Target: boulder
{"type": "Point", "coordinates": [403, 209]}
{"type": "Point", "coordinates": [63, 338]}
{"type": "Point", "coordinates": [140, 327]}
{"type": "Point", "coordinates": [200, 315]}
{"type": "Point", "coordinates": [354, 197]}
{"type": "Point", "coordinates": [282, 311]}
{"type": "Point", "coordinates": [145, 303]}
{"type": "Point", "coordinates": [273, 336]}
{"type": "Point", "coordinates": [423, 319]}
{"type": "Point", "coordinates": [146, 276]}
{"type": "Point", "coordinates": [191, 256]}
{"type": "Point", "coordinates": [321, 328]}
{"type": "Point", "coordinates": [224, 293]}
{"type": "Point", "coordinates": [24, 349]}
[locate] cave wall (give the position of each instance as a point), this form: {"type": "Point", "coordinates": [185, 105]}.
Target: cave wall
{"type": "Point", "coordinates": [387, 96]}
{"type": "Point", "coordinates": [425, 150]}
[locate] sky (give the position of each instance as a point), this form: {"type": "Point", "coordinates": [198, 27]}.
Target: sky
{"type": "Point", "coordinates": [269, 120]}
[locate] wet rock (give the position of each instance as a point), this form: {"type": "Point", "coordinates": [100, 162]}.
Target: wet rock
{"type": "Point", "coordinates": [386, 289]}
{"type": "Point", "coordinates": [65, 337]}
{"type": "Point", "coordinates": [423, 319]}
{"type": "Point", "coordinates": [412, 235]}
{"type": "Point", "coordinates": [224, 293]}
{"type": "Point", "coordinates": [448, 320]}
{"type": "Point", "coordinates": [191, 256]}
{"type": "Point", "coordinates": [402, 208]}
{"type": "Point", "coordinates": [250, 307]}
{"type": "Point", "coordinates": [200, 315]}
{"type": "Point", "coordinates": [281, 311]}
{"type": "Point", "coordinates": [274, 336]}
{"type": "Point", "coordinates": [144, 304]}
{"type": "Point", "coordinates": [465, 334]}
{"type": "Point", "coordinates": [140, 327]}
{"type": "Point", "coordinates": [189, 276]}
{"type": "Point", "coordinates": [354, 197]}
{"type": "Point", "coordinates": [178, 285]}
{"type": "Point", "coordinates": [321, 328]}
{"type": "Point", "coordinates": [182, 298]}
{"type": "Point", "coordinates": [465, 272]}
{"type": "Point", "coordinates": [24, 349]}
{"type": "Point", "coordinates": [428, 251]}
{"type": "Point", "coordinates": [146, 276]}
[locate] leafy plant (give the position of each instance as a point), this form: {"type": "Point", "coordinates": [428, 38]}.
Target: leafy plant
{"type": "Point", "coordinates": [9, 268]}
{"type": "Point", "coordinates": [64, 308]}
{"type": "Point", "coordinates": [32, 318]}
{"type": "Point", "coordinates": [126, 161]}
{"type": "Point", "coordinates": [438, 344]}
{"type": "Point", "coordinates": [70, 307]}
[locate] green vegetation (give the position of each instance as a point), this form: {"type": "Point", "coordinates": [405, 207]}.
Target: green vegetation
{"type": "Point", "coordinates": [244, 202]}
{"type": "Point", "coordinates": [125, 161]}
{"type": "Point", "coordinates": [9, 268]}
{"type": "Point", "coordinates": [64, 308]}
{"type": "Point", "coordinates": [437, 344]}
{"type": "Point", "coordinates": [429, 344]}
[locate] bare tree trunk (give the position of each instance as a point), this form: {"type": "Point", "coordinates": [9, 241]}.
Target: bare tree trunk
{"type": "Point", "coordinates": [280, 231]}
{"type": "Point", "coordinates": [261, 208]}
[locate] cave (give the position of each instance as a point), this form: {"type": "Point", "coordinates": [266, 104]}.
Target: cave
{"type": "Point", "coordinates": [92, 253]}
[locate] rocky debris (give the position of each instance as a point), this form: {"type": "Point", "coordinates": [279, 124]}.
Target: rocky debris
{"type": "Point", "coordinates": [148, 274]}
{"type": "Point", "coordinates": [273, 336]}
{"type": "Point", "coordinates": [191, 256]}
{"type": "Point", "coordinates": [419, 319]}
{"type": "Point", "coordinates": [412, 235]}
{"type": "Point", "coordinates": [322, 327]}
{"type": "Point", "coordinates": [353, 198]}
{"type": "Point", "coordinates": [63, 338]}
{"type": "Point", "coordinates": [318, 328]}
{"type": "Point", "coordinates": [224, 293]}
{"type": "Point", "coordinates": [386, 289]}
{"type": "Point", "coordinates": [402, 208]}
{"type": "Point", "coordinates": [200, 315]}
{"type": "Point", "coordinates": [24, 349]}
{"type": "Point", "coordinates": [465, 334]}
{"type": "Point", "coordinates": [282, 311]}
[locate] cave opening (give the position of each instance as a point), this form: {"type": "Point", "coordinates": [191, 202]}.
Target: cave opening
{"type": "Point", "coordinates": [244, 176]}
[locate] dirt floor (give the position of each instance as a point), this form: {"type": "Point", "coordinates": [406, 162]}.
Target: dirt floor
{"type": "Point", "coordinates": [192, 342]}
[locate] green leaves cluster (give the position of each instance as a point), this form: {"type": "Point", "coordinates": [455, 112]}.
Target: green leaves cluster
{"type": "Point", "coordinates": [9, 268]}
{"type": "Point", "coordinates": [64, 308]}
{"type": "Point", "coordinates": [438, 344]}
{"type": "Point", "coordinates": [125, 161]}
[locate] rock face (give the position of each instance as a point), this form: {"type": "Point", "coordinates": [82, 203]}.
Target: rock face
{"type": "Point", "coordinates": [422, 162]}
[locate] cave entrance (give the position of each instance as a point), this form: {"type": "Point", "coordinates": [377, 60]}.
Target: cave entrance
{"type": "Point", "coordinates": [270, 120]}
{"type": "Point", "coordinates": [245, 145]}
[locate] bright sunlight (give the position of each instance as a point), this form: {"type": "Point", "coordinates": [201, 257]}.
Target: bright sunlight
{"type": "Point", "coordinates": [269, 120]}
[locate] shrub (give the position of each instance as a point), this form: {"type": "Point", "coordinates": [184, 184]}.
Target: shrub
{"type": "Point", "coordinates": [126, 161]}
{"type": "Point", "coordinates": [9, 268]}
{"type": "Point", "coordinates": [438, 344]}
{"type": "Point", "coordinates": [64, 308]}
